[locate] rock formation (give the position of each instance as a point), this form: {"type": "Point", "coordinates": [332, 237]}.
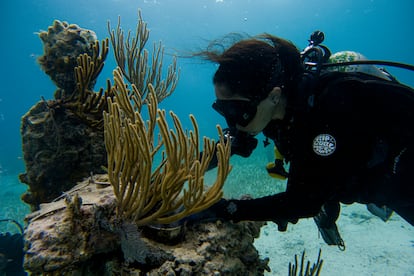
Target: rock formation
{"type": "Point", "coordinates": [80, 234]}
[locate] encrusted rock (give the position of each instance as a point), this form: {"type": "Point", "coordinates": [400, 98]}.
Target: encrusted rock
{"type": "Point", "coordinates": [59, 150]}
{"type": "Point", "coordinates": [62, 44]}
{"type": "Point", "coordinates": [80, 233]}
{"type": "Point", "coordinates": [61, 142]}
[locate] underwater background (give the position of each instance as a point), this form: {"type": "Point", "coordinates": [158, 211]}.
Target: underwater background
{"type": "Point", "coordinates": [379, 29]}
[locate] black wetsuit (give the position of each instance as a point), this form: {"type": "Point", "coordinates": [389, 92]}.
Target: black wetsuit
{"type": "Point", "coordinates": [351, 140]}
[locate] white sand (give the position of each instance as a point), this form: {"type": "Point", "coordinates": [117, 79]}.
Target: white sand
{"type": "Point", "coordinates": [373, 247]}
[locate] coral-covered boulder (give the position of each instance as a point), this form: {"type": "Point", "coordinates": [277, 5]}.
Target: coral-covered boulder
{"type": "Point", "coordinates": [80, 234]}
{"type": "Point", "coordinates": [62, 44]}
{"type": "Point", "coordinates": [59, 150]}
{"type": "Point", "coordinates": [62, 139]}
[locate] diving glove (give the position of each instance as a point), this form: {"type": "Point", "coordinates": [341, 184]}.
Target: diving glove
{"type": "Point", "coordinates": [218, 211]}
{"type": "Point", "coordinates": [227, 210]}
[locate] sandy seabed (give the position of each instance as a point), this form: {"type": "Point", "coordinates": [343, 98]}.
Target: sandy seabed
{"type": "Point", "coordinates": [373, 247]}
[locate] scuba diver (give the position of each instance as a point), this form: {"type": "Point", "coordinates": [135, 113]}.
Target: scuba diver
{"type": "Point", "coordinates": [345, 127]}
{"type": "Point", "coordinates": [11, 251]}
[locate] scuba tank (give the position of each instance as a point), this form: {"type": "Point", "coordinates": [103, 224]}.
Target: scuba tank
{"type": "Point", "coordinates": [350, 56]}
{"type": "Point", "coordinates": [317, 58]}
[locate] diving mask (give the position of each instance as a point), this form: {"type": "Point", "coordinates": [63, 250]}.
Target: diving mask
{"type": "Point", "coordinates": [236, 112]}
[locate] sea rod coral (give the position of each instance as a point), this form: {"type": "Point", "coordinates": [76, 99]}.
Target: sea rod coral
{"type": "Point", "coordinates": [147, 192]}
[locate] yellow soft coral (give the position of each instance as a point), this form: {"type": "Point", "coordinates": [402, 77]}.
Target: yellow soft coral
{"type": "Point", "coordinates": [146, 192]}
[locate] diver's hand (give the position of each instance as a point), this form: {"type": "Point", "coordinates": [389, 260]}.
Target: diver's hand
{"type": "Point", "coordinates": [225, 210]}
{"type": "Point", "coordinates": [217, 211]}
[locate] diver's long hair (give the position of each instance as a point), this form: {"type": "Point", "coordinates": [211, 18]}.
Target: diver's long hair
{"type": "Point", "coordinates": [252, 66]}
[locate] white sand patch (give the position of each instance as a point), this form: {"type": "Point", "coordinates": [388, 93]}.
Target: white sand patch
{"type": "Point", "coordinates": [372, 246]}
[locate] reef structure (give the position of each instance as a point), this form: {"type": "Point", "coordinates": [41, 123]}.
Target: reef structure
{"type": "Point", "coordinates": [78, 235]}
{"type": "Point", "coordinates": [63, 43]}
{"type": "Point", "coordinates": [62, 140]}
{"type": "Point", "coordinates": [130, 221]}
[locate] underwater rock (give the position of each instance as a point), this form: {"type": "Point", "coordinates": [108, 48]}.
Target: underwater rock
{"type": "Point", "coordinates": [59, 150]}
{"type": "Point", "coordinates": [62, 44]}
{"type": "Point", "coordinates": [63, 142]}
{"type": "Point", "coordinates": [80, 234]}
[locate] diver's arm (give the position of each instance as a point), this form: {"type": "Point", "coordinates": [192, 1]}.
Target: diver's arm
{"type": "Point", "coordinates": [279, 208]}
{"type": "Point", "coordinates": [307, 191]}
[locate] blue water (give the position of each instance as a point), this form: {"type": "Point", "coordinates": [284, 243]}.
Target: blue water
{"type": "Point", "coordinates": [380, 29]}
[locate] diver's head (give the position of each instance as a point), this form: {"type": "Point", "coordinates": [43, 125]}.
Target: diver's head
{"type": "Point", "coordinates": [252, 80]}
{"type": "Point", "coordinates": [250, 115]}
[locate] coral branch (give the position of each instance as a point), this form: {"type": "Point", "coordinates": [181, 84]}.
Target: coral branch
{"type": "Point", "coordinates": [132, 59]}
{"type": "Point", "coordinates": [163, 193]}
{"type": "Point", "coordinates": [84, 102]}
{"type": "Point", "coordinates": [308, 270]}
